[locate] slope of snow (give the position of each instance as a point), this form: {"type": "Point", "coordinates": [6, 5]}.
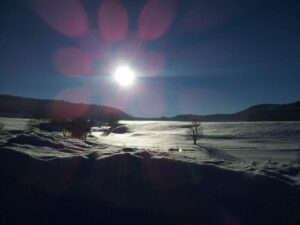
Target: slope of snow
{"type": "Point", "coordinates": [134, 178]}
{"type": "Point", "coordinates": [13, 123]}
{"type": "Point", "coordinates": [261, 141]}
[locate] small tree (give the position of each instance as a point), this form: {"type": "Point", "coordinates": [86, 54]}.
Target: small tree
{"type": "Point", "coordinates": [80, 128]}
{"type": "Point", "coordinates": [195, 131]}
{"type": "Point", "coordinates": [76, 128]}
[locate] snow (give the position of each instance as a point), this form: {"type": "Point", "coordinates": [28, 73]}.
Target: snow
{"type": "Point", "coordinates": [266, 148]}
{"type": "Point", "coordinates": [13, 123]}
{"type": "Point", "coordinates": [261, 141]}
{"type": "Point", "coordinates": [152, 171]}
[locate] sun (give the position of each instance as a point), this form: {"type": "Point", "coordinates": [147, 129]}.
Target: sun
{"type": "Point", "coordinates": [124, 75]}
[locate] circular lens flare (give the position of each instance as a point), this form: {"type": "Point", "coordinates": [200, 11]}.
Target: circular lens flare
{"type": "Point", "coordinates": [124, 76]}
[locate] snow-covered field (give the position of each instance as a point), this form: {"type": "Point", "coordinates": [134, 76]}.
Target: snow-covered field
{"type": "Point", "coordinates": [259, 141]}
{"type": "Point", "coordinates": [233, 176]}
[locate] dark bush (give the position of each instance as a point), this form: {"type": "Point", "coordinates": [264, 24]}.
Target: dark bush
{"type": "Point", "coordinates": [78, 128]}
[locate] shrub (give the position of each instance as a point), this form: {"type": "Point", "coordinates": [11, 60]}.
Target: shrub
{"type": "Point", "coordinates": [77, 128]}
{"type": "Point", "coordinates": [195, 131]}
{"type": "Point", "coordinates": [112, 120]}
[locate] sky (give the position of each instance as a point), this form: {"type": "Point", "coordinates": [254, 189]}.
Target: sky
{"type": "Point", "coordinates": [197, 56]}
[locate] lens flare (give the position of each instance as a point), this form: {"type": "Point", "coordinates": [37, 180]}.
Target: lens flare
{"type": "Point", "coordinates": [155, 19]}
{"type": "Point", "coordinates": [66, 16]}
{"type": "Point", "coordinates": [73, 61]}
{"type": "Point", "coordinates": [124, 75]}
{"type": "Point", "coordinates": [113, 21]}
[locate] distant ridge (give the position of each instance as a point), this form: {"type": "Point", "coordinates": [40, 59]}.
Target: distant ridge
{"type": "Point", "coordinates": [13, 106]}
{"type": "Point", "coordinates": [263, 112]}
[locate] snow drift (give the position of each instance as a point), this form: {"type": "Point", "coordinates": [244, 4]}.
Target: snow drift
{"type": "Point", "coordinates": [47, 179]}
{"type": "Point", "coordinates": [138, 188]}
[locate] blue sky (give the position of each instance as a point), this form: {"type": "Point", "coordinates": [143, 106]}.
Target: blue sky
{"type": "Point", "coordinates": [198, 57]}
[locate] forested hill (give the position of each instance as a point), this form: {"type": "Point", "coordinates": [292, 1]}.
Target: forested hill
{"type": "Point", "coordinates": [264, 112]}
{"type": "Point", "coordinates": [11, 106]}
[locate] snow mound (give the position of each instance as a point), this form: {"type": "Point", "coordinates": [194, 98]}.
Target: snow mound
{"type": "Point", "coordinates": [34, 140]}
{"type": "Point", "coordinates": [138, 188]}
{"type": "Point", "coordinates": [47, 179]}
{"type": "Point", "coordinates": [43, 145]}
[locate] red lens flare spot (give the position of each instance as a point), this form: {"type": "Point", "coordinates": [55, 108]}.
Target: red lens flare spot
{"type": "Point", "coordinates": [153, 63]}
{"type": "Point", "coordinates": [111, 111]}
{"type": "Point", "coordinates": [93, 43]}
{"type": "Point", "coordinates": [117, 100]}
{"type": "Point", "coordinates": [150, 102]}
{"type": "Point", "coordinates": [61, 110]}
{"type": "Point", "coordinates": [113, 21]}
{"type": "Point", "coordinates": [73, 61]}
{"type": "Point", "coordinates": [66, 16]}
{"type": "Point", "coordinates": [156, 18]}
{"type": "Point", "coordinates": [131, 48]}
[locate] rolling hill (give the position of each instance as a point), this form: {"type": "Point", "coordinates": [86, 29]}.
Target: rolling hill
{"type": "Point", "coordinates": [263, 112]}
{"type": "Point", "coordinates": [11, 106]}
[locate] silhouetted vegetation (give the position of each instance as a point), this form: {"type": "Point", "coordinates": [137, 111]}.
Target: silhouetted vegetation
{"type": "Point", "coordinates": [79, 128]}
{"type": "Point", "coordinates": [112, 120]}
{"type": "Point", "coordinates": [1, 126]}
{"type": "Point", "coordinates": [195, 131]}
{"type": "Point", "coordinates": [76, 128]}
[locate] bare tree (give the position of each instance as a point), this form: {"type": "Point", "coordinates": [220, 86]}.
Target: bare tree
{"type": "Point", "coordinates": [195, 131]}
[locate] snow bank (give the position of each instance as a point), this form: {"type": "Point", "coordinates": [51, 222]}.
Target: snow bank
{"type": "Point", "coordinates": [46, 179]}
{"type": "Point", "coordinates": [138, 188]}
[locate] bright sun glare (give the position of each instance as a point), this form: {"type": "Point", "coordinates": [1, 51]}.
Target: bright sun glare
{"type": "Point", "coordinates": [124, 75]}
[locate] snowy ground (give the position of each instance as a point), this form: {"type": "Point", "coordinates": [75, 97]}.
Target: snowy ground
{"type": "Point", "coordinates": [268, 148]}
{"type": "Point", "coordinates": [250, 163]}
{"type": "Point", "coordinates": [260, 141]}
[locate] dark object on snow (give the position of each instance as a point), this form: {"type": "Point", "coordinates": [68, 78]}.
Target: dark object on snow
{"type": "Point", "coordinates": [119, 130]}
{"type": "Point", "coordinates": [195, 131]}
{"type": "Point", "coordinates": [77, 128]}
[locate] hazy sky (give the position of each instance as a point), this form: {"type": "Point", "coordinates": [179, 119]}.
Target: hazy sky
{"type": "Point", "coordinates": [201, 57]}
